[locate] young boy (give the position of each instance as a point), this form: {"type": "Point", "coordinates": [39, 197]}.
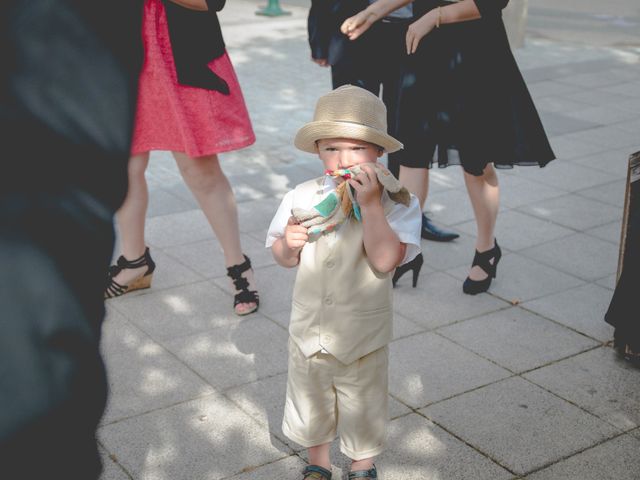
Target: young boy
{"type": "Point", "coordinates": [341, 318]}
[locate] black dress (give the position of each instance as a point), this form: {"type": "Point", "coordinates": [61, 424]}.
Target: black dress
{"type": "Point", "coordinates": [468, 103]}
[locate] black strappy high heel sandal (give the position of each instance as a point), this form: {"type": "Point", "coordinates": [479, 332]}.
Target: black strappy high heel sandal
{"type": "Point", "coordinates": [242, 284]}
{"type": "Point", "coordinates": [114, 289]}
{"type": "Point", "coordinates": [483, 260]}
{"type": "Point", "coordinates": [415, 265]}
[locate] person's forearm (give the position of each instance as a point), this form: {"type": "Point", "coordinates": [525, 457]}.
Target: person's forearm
{"type": "Point", "coordinates": [382, 8]}
{"type": "Point", "coordinates": [192, 4]}
{"type": "Point", "coordinates": [283, 255]}
{"type": "Point", "coordinates": [381, 243]}
{"type": "Point", "coordinates": [459, 12]}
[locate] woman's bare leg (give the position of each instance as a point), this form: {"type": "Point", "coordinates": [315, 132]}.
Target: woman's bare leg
{"type": "Point", "coordinates": [484, 194]}
{"type": "Point", "coordinates": [212, 190]}
{"type": "Point", "coordinates": [131, 217]}
{"type": "Point", "coordinates": [416, 180]}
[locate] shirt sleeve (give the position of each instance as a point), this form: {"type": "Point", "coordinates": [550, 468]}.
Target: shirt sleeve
{"type": "Point", "coordinates": [490, 8]}
{"type": "Point", "coordinates": [279, 222]}
{"type": "Point", "coordinates": [406, 222]}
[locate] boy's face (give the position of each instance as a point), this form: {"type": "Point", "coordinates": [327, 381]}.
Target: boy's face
{"type": "Point", "coordinates": [338, 153]}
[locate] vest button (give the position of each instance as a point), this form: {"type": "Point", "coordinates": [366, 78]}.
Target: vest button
{"type": "Point", "coordinates": [328, 301]}
{"type": "Point", "coordinates": [330, 264]}
{"type": "Point", "coordinates": [327, 339]}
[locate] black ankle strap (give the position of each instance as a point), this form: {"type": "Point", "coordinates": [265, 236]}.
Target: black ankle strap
{"type": "Point", "coordinates": [136, 263]}
{"type": "Point", "coordinates": [483, 260]}
{"type": "Point", "coordinates": [236, 271]}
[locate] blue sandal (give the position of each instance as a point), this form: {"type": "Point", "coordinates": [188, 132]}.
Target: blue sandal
{"type": "Point", "coordinates": [371, 473]}
{"type": "Point", "coordinates": [314, 472]}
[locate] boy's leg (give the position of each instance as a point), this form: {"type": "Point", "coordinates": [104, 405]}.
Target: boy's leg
{"type": "Point", "coordinates": [362, 391]}
{"type": "Point", "coordinates": [319, 455]}
{"type": "Point", "coordinates": [310, 405]}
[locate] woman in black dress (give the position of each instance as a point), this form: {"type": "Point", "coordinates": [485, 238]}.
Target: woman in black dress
{"type": "Point", "coordinates": [469, 106]}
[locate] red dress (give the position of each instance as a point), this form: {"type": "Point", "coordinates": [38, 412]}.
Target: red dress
{"type": "Point", "coordinates": [181, 118]}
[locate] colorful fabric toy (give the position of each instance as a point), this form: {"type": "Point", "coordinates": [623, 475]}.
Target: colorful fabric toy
{"type": "Point", "coordinates": [341, 204]}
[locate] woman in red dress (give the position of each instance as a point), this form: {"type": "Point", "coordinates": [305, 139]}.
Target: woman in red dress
{"type": "Point", "coordinates": [189, 103]}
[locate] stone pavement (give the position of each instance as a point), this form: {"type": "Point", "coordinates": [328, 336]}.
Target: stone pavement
{"type": "Point", "coordinates": [517, 383]}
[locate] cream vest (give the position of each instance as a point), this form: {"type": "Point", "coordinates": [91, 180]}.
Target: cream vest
{"type": "Point", "coordinates": [340, 303]}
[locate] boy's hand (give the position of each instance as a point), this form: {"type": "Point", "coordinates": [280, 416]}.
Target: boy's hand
{"type": "Point", "coordinates": [368, 189]}
{"type": "Point", "coordinates": [295, 235]}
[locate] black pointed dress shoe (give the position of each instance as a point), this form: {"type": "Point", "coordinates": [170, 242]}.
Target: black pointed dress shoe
{"type": "Point", "coordinates": [431, 232]}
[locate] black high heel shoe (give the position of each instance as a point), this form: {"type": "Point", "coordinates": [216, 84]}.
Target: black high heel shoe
{"type": "Point", "coordinates": [483, 260]}
{"type": "Point", "coordinates": [415, 265]}
{"type": "Point", "coordinates": [431, 232]}
{"type": "Point", "coordinates": [244, 295]}
{"type": "Point", "coordinates": [114, 289]}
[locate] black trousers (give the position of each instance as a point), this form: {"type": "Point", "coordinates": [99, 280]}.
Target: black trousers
{"type": "Point", "coordinates": [383, 67]}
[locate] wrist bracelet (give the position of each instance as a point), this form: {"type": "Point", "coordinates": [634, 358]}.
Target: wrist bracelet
{"type": "Point", "coordinates": [439, 17]}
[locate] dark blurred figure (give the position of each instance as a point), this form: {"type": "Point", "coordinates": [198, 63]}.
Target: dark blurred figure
{"type": "Point", "coordinates": [623, 309]}
{"type": "Point", "coordinates": [67, 99]}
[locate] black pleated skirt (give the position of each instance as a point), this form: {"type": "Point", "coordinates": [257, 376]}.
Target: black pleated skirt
{"type": "Point", "coordinates": [464, 102]}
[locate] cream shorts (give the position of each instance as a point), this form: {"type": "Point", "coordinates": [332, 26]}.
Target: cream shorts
{"type": "Point", "coordinates": [326, 397]}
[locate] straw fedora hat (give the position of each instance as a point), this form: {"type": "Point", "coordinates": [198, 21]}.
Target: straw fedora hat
{"type": "Point", "coordinates": [348, 112]}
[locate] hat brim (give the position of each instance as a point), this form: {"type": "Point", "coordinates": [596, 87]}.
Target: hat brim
{"type": "Point", "coordinates": [309, 134]}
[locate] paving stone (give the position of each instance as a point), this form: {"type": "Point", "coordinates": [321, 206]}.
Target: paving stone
{"type": "Point", "coordinates": [615, 459]}
{"type": "Point", "coordinates": [231, 356]}
{"type": "Point", "coordinates": [403, 327]}
{"type": "Point", "coordinates": [598, 97]}
{"type": "Point", "coordinates": [438, 300]}
{"type": "Point", "coordinates": [631, 89]}
{"type": "Point", "coordinates": [442, 256]}
{"type": "Point", "coordinates": [427, 368]}
{"type": "Point", "coordinates": [568, 176]}
{"type": "Point", "coordinates": [157, 380]}
{"type": "Point", "coordinates": [276, 287]}
{"type": "Point", "coordinates": [119, 334]}
{"type": "Point", "coordinates": [632, 125]}
{"type": "Point", "coordinates": [579, 255]}
{"type": "Point", "coordinates": [207, 257]}
{"type": "Point", "coordinates": [574, 212]}
{"type": "Point", "coordinates": [449, 207]}
{"type": "Point", "coordinates": [559, 104]}
{"type": "Point", "coordinates": [597, 381]}
{"type": "Point", "coordinates": [519, 190]}
{"type": "Point", "coordinates": [610, 233]}
{"type": "Point", "coordinates": [519, 425]}
{"type": "Point", "coordinates": [636, 433]}
{"type": "Point", "coordinates": [162, 202]}
{"type": "Point", "coordinates": [181, 311]}
{"type": "Point", "coordinates": [289, 467]}
{"type": "Point", "coordinates": [567, 147]}
{"type": "Point", "coordinates": [603, 115]}
{"type": "Point", "coordinates": [590, 79]}
{"type": "Point", "coordinates": [580, 308]}
{"type": "Point", "coordinates": [257, 215]}
{"type": "Point", "coordinates": [612, 193]}
{"type": "Point", "coordinates": [520, 279]}
{"type": "Point", "coordinates": [207, 439]}
{"type": "Point", "coordinates": [556, 123]}
{"type": "Point", "coordinates": [444, 179]}
{"type": "Point", "coordinates": [547, 88]}
{"type": "Point", "coordinates": [608, 282]}
{"type": "Point", "coordinates": [609, 136]}
{"type": "Point", "coordinates": [518, 231]}
{"type": "Point", "coordinates": [420, 450]}
{"type": "Point", "coordinates": [178, 229]}
{"type": "Point", "coordinates": [110, 469]}
{"type": "Point", "coordinates": [516, 339]}
{"type": "Point", "coordinates": [613, 161]}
